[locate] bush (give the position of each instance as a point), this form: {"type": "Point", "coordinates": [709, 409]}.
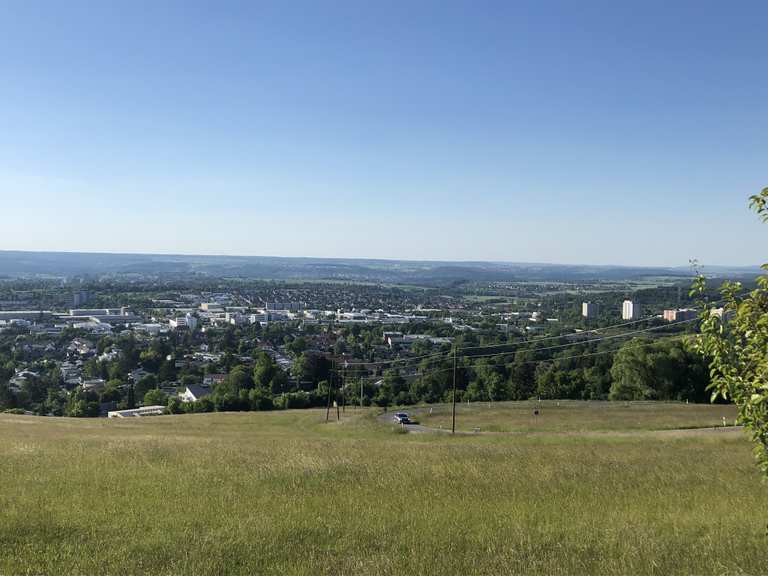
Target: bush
{"type": "Point", "coordinates": [155, 397]}
{"type": "Point", "coordinates": [260, 399]}
{"type": "Point", "coordinates": [175, 406]}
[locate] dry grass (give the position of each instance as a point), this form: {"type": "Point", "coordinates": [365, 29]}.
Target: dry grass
{"type": "Point", "coordinates": [281, 493]}
{"type": "Point", "coordinates": [577, 416]}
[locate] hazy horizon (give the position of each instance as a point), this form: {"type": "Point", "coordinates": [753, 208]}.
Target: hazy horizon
{"type": "Point", "coordinates": [702, 265]}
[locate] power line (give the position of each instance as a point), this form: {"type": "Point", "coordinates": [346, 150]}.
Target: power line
{"type": "Point", "coordinates": [485, 346]}
{"type": "Point", "coordinates": [600, 339]}
{"type": "Point", "coordinates": [541, 360]}
{"type": "Point", "coordinates": [612, 337]}
{"type": "Point", "coordinates": [517, 344]}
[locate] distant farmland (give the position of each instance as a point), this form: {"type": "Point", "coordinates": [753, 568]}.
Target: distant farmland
{"type": "Point", "coordinates": [283, 493]}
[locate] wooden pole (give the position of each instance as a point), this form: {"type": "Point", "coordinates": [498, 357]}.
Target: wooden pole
{"type": "Point", "coordinates": [330, 387]}
{"type": "Point", "coordinates": [453, 414]}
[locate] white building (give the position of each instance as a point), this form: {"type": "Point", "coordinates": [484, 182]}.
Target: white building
{"type": "Point", "coordinates": [137, 412]}
{"type": "Point", "coordinates": [189, 321]}
{"type": "Point", "coordinates": [410, 339]}
{"type": "Point", "coordinates": [630, 310]}
{"type": "Point", "coordinates": [234, 318]}
{"type": "Point", "coordinates": [151, 329]}
{"type": "Point", "coordinates": [194, 393]}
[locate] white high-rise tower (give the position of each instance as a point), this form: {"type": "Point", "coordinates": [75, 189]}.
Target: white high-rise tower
{"type": "Point", "coordinates": [630, 310]}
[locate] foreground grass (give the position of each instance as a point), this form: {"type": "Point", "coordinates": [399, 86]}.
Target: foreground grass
{"type": "Point", "coordinates": [281, 493]}
{"type": "Point", "coordinates": [577, 416]}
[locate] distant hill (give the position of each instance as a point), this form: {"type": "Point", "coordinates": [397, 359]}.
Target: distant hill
{"type": "Point", "coordinates": [68, 264]}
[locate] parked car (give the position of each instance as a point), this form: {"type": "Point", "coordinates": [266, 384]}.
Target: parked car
{"type": "Point", "coordinates": [401, 418]}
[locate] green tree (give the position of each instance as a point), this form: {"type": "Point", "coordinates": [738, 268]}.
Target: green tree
{"type": "Point", "coordinates": [279, 383]}
{"type": "Point", "coordinates": [522, 377]}
{"type": "Point", "coordinates": [395, 382]}
{"type": "Point", "coordinates": [734, 340]}
{"type": "Point", "coordinates": [167, 371]}
{"type": "Point", "coordinates": [238, 379]}
{"type": "Point", "coordinates": [260, 399]}
{"type": "Point", "coordinates": [111, 391]}
{"type": "Point", "coordinates": [55, 403]}
{"type": "Point", "coordinates": [264, 371]}
{"type": "Point", "coordinates": [145, 384]}
{"type": "Point", "coordinates": [155, 397]}
{"type": "Point", "coordinates": [297, 346]}
{"type": "Point", "coordinates": [82, 404]}
{"type": "Point", "coordinates": [189, 380]}
{"type": "Point", "coordinates": [7, 397]}
{"type": "Point", "coordinates": [151, 360]}
{"type": "Point", "coordinates": [383, 396]}
{"type": "Point", "coordinates": [631, 373]}
{"type": "Point", "coordinates": [174, 406]}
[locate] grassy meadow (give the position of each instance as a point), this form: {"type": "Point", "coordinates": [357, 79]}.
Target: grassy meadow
{"type": "Point", "coordinates": [284, 493]}
{"type": "Point", "coordinates": [576, 416]}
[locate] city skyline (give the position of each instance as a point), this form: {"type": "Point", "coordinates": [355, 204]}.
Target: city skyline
{"type": "Point", "coordinates": [591, 134]}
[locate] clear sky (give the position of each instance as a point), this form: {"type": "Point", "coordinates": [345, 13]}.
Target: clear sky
{"type": "Point", "coordinates": [550, 131]}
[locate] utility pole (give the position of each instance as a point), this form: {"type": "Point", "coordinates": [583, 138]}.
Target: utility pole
{"type": "Point", "coordinates": [330, 387]}
{"type": "Point", "coordinates": [453, 415]}
{"type": "Point", "coordinates": [361, 393]}
{"type": "Point", "coordinates": [338, 416]}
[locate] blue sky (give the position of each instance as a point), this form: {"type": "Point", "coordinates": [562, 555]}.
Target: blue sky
{"type": "Point", "coordinates": [569, 132]}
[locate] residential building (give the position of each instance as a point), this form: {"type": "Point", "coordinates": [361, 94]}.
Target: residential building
{"type": "Point", "coordinates": [589, 309]}
{"type": "Point", "coordinates": [211, 380]}
{"type": "Point", "coordinates": [194, 393]}
{"type": "Point", "coordinates": [723, 314]}
{"type": "Point", "coordinates": [289, 306]}
{"type": "Point", "coordinates": [80, 298]}
{"type": "Point", "coordinates": [81, 347]}
{"type": "Point", "coordinates": [21, 377]}
{"type": "Point", "coordinates": [189, 321]}
{"type": "Point", "coordinates": [234, 318]}
{"type": "Point", "coordinates": [94, 385]}
{"type": "Point", "coordinates": [680, 315]}
{"type": "Point", "coordinates": [630, 310]}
